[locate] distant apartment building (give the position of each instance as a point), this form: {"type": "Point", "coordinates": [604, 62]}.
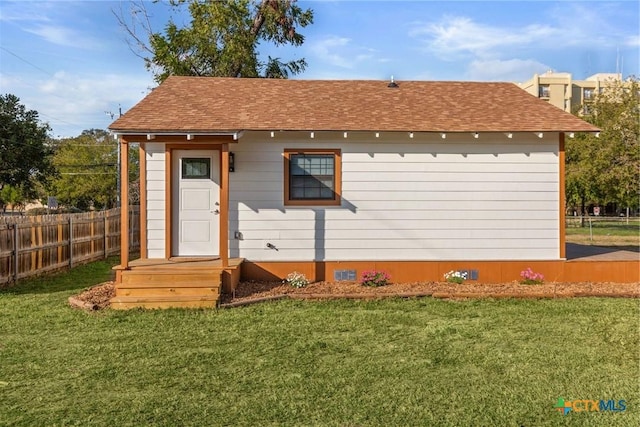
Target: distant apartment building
{"type": "Point", "coordinates": [561, 90]}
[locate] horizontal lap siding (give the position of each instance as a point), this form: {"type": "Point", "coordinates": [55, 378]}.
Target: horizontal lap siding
{"type": "Point", "coordinates": [458, 199]}
{"type": "Point", "coordinates": [156, 193]}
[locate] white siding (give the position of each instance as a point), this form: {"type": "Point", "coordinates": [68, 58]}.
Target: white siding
{"type": "Point", "coordinates": [155, 156]}
{"type": "Point", "coordinates": [426, 198]}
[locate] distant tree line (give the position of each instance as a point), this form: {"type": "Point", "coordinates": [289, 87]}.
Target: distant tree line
{"type": "Point", "coordinates": [605, 169]}
{"type": "Point", "coordinates": [80, 172]}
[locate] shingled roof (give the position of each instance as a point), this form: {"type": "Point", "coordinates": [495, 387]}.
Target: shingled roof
{"type": "Point", "coordinates": [207, 104]}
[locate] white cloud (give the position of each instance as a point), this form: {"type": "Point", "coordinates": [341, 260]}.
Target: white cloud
{"type": "Point", "coordinates": [589, 24]}
{"type": "Point", "coordinates": [8, 81]}
{"type": "Point", "coordinates": [54, 22]}
{"type": "Point", "coordinates": [557, 27]}
{"type": "Point", "coordinates": [341, 52]}
{"type": "Point", "coordinates": [71, 103]}
{"type": "Point", "coordinates": [23, 11]}
{"type": "Point", "coordinates": [454, 36]}
{"type": "Point", "coordinates": [511, 70]}
{"type": "Point", "coordinates": [633, 41]}
{"type": "Point", "coordinates": [63, 36]}
{"type": "Point", "coordinates": [327, 49]}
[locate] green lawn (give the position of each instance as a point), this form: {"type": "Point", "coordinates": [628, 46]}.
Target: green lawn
{"type": "Point", "coordinates": [600, 227]}
{"type": "Point", "coordinates": [339, 363]}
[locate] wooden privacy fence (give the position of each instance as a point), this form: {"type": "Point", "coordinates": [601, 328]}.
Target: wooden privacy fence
{"type": "Point", "coordinates": [32, 245]}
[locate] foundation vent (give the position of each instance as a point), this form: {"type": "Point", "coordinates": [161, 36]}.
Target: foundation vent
{"type": "Point", "coordinates": [344, 275]}
{"type": "Point", "coordinates": [471, 274]}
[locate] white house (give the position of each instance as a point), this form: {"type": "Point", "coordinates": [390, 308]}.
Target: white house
{"type": "Point", "coordinates": [332, 177]}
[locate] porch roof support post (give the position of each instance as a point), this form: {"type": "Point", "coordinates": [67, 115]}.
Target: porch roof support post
{"type": "Point", "coordinates": [124, 204]}
{"type": "Point", "coordinates": [224, 205]}
{"type": "Point", "coordinates": [562, 194]}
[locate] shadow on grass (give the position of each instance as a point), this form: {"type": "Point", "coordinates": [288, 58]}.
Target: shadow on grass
{"type": "Point", "coordinates": [78, 278]}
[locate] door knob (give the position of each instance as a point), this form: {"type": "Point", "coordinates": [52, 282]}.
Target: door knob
{"type": "Point", "coordinates": [216, 212]}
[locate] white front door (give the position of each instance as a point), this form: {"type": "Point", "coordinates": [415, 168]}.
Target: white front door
{"type": "Point", "coordinates": [196, 203]}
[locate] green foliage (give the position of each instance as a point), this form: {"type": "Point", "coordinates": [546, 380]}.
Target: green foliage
{"type": "Point", "coordinates": [10, 195]}
{"type": "Point", "coordinates": [607, 169]}
{"type": "Point", "coordinates": [25, 153]}
{"type": "Point", "coordinates": [88, 166]}
{"type": "Point", "coordinates": [88, 169]}
{"type": "Point", "coordinates": [223, 37]}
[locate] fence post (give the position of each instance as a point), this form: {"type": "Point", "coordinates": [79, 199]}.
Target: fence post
{"type": "Point", "coordinates": [60, 241]}
{"type": "Point", "coordinates": [70, 242]}
{"type": "Point", "coordinates": [16, 250]}
{"type": "Point", "coordinates": [34, 255]}
{"type": "Point", "coordinates": [40, 242]}
{"type": "Point", "coordinates": [106, 244]}
{"type": "Point", "coordinates": [92, 229]}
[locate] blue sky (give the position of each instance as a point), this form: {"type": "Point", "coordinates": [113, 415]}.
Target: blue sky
{"type": "Point", "coordinates": [69, 60]}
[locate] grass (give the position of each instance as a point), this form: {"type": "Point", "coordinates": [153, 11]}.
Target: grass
{"type": "Point", "coordinates": [603, 232]}
{"type": "Point", "coordinates": [339, 363]}
{"type": "Point", "coordinates": [606, 228]}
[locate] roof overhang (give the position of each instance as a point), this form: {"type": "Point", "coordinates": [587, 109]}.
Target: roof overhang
{"type": "Point", "coordinates": [236, 135]}
{"type": "Point", "coordinates": [151, 135]}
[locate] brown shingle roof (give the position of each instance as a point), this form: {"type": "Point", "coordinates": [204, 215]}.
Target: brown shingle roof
{"type": "Point", "coordinates": [204, 104]}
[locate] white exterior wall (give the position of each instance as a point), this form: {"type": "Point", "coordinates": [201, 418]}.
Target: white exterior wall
{"type": "Point", "coordinates": [425, 198]}
{"type": "Point", "coordinates": [155, 156]}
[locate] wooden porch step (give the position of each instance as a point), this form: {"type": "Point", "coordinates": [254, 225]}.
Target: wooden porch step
{"type": "Point", "coordinates": [170, 278]}
{"type": "Point", "coordinates": [162, 284]}
{"type": "Point", "coordinates": [160, 288]}
{"type": "Point", "coordinates": [176, 301]}
{"type": "Point", "coordinates": [183, 282]}
{"type": "Point", "coordinates": [177, 290]}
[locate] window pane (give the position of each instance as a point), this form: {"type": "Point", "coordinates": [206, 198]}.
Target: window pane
{"type": "Point", "coordinates": [297, 193]}
{"type": "Point", "coordinates": [311, 176]}
{"type": "Point", "coordinates": [193, 168]}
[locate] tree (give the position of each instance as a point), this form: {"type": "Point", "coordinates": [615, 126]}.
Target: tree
{"type": "Point", "coordinates": [606, 169]}
{"type": "Point", "coordinates": [88, 166]}
{"type": "Point", "coordinates": [10, 195]}
{"type": "Point", "coordinates": [221, 40]}
{"type": "Point", "coordinates": [25, 149]}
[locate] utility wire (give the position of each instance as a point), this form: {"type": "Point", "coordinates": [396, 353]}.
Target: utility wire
{"type": "Point", "coordinates": [26, 62]}
{"type": "Point", "coordinates": [47, 73]}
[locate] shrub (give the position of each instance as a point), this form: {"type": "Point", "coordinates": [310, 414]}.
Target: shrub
{"type": "Point", "coordinates": [529, 277]}
{"type": "Point", "coordinates": [455, 276]}
{"type": "Point", "coordinates": [296, 280]}
{"type": "Point", "coordinates": [375, 278]}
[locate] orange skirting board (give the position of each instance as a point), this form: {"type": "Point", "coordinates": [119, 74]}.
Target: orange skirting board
{"type": "Point", "coordinates": [430, 271]}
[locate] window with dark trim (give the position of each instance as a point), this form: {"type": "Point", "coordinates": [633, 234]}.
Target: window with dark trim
{"type": "Point", "coordinates": [544, 91]}
{"type": "Point", "coordinates": [312, 177]}
{"type": "Point", "coordinates": [196, 168]}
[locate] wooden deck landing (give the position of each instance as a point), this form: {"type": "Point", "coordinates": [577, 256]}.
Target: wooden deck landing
{"type": "Point", "coordinates": [176, 282]}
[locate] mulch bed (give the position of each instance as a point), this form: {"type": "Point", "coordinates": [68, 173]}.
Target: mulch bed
{"type": "Point", "coordinates": [98, 297]}
{"type": "Point", "coordinates": [249, 292]}
{"type": "Point", "coordinates": [94, 298]}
